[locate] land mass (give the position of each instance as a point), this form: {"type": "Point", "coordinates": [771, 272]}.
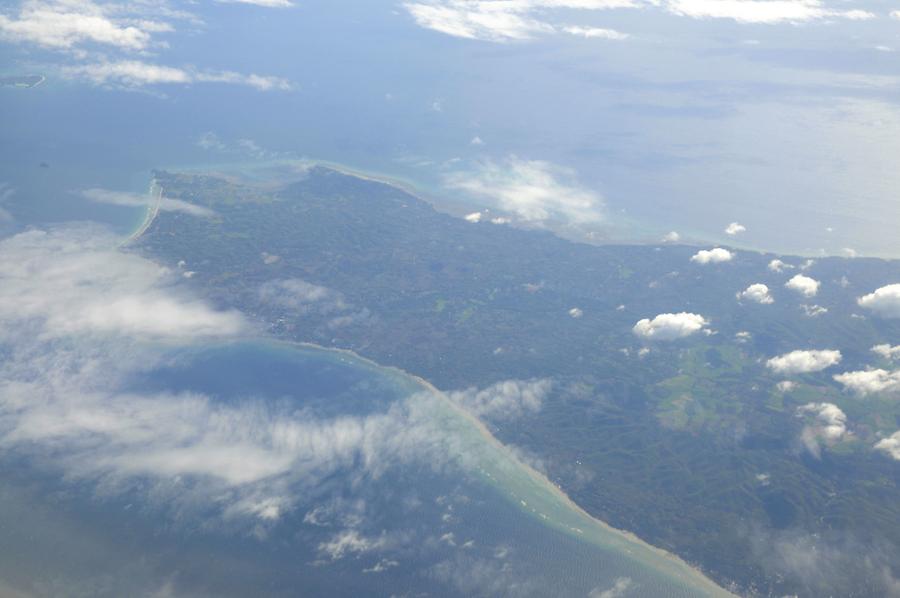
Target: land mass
{"type": "Point", "coordinates": [690, 444]}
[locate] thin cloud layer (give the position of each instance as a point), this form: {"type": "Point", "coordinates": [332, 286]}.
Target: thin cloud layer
{"type": "Point", "coordinates": [106, 291]}
{"type": "Point", "coordinates": [518, 20]}
{"type": "Point", "coordinates": [884, 301]}
{"type": "Point", "coordinates": [669, 326]}
{"type": "Point", "coordinates": [136, 200]}
{"type": "Point", "coordinates": [507, 400]}
{"type": "Point", "coordinates": [762, 11]}
{"type": "Point", "coordinates": [135, 73]}
{"type": "Point", "coordinates": [506, 20]}
{"type": "Point", "coordinates": [827, 423]}
{"type": "Point", "coordinates": [716, 255]}
{"type": "Point", "coordinates": [534, 190]}
{"type": "Point", "coordinates": [803, 362]}
{"type": "Point", "coordinates": [806, 286]}
{"type": "Point", "coordinates": [69, 24]}
{"type": "Point", "coordinates": [757, 293]}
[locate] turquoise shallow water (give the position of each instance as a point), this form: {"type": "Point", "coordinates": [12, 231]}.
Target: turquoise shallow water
{"type": "Point", "coordinates": [465, 519]}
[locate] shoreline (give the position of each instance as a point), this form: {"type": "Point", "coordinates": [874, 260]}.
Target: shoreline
{"type": "Point", "coordinates": [674, 560]}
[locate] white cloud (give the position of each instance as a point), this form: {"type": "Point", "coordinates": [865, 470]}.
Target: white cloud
{"type": "Point", "coordinates": [885, 301]}
{"type": "Point", "coordinates": [761, 11]}
{"type": "Point", "coordinates": [802, 362]}
{"type": "Point", "coordinates": [596, 33]}
{"type": "Point", "coordinates": [758, 293]}
{"type": "Point", "coordinates": [476, 141]}
{"type": "Point", "coordinates": [134, 73]}
{"type": "Point", "coordinates": [786, 386]}
{"type": "Point", "coordinates": [779, 266]}
{"type": "Point", "coordinates": [813, 311]}
{"type": "Point", "coordinates": [804, 285]}
{"type": "Point", "coordinates": [890, 445]}
{"type": "Point", "coordinates": [576, 312]}
{"type": "Point", "coordinates": [887, 351]}
{"type": "Point", "coordinates": [618, 590]}
{"type": "Point", "coordinates": [262, 3]}
{"type": "Point", "coordinates": [670, 326]}
{"type": "Point", "coordinates": [735, 228]}
{"type": "Point", "coordinates": [105, 291]}
{"type": "Point", "coordinates": [136, 200]}
{"type": "Point", "coordinates": [828, 423]}
{"type": "Point", "coordinates": [67, 24]}
{"type": "Point", "coordinates": [499, 20]}
{"type": "Point", "coordinates": [505, 400]}
{"type": "Point", "coordinates": [671, 237]}
{"type": "Point", "coordinates": [304, 298]}
{"type": "Point", "coordinates": [865, 382]}
{"type": "Point", "coordinates": [474, 217]}
{"type": "Point", "coordinates": [350, 542]}
{"type": "Point", "coordinates": [535, 190]}
{"type": "Point", "coordinates": [712, 256]}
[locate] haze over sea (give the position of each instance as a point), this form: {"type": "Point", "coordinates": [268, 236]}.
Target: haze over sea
{"type": "Point", "coordinates": [630, 149]}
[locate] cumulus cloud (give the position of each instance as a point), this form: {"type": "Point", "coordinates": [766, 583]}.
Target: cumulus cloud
{"type": "Point", "coordinates": [804, 285]}
{"type": "Point", "coordinates": [779, 266]}
{"type": "Point", "coordinates": [671, 237]}
{"type": "Point", "coordinates": [802, 362]}
{"type": "Point", "coordinates": [865, 382]}
{"type": "Point", "coordinates": [826, 423]}
{"type": "Point", "coordinates": [106, 291]}
{"type": "Point", "coordinates": [735, 228]}
{"type": "Point", "coordinates": [890, 445]}
{"type": "Point", "coordinates": [505, 400]}
{"type": "Point", "coordinates": [136, 200]}
{"type": "Point", "coordinates": [670, 326]}
{"type": "Point", "coordinates": [618, 590]}
{"type": "Point", "coordinates": [135, 73]}
{"type": "Point", "coordinates": [350, 542]}
{"type": "Point", "coordinates": [576, 312]}
{"type": "Point", "coordinates": [712, 256]}
{"type": "Point", "coordinates": [887, 351]}
{"type": "Point", "coordinates": [474, 217]}
{"type": "Point", "coordinates": [762, 11]}
{"type": "Point", "coordinates": [534, 190]}
{"type": "Point", "coordinates": [884, 301]}
{"type": "Point", "coordinates": [758, 293]}
{"type": "Point", "coordinates": [68, 24]}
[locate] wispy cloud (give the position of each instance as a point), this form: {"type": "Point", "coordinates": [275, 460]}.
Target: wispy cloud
{"type": "Point", "coordinates": [135, 73]}
{"type": "Point", "coordinates": [534, 190]}
{"type": "Point", "coordinates": [136, 200]}
{"type": "Point", "coordinates": [762, 11]}
{"type": "Point", "coordinates": [505, 400]}
{"type": "Point", "coordinates": [69, 24]}
{"type": "Point", "coordinates": [826, 422]}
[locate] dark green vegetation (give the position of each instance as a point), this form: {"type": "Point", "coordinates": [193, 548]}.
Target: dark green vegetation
{"type": "Point", "coordinates": [23, 81]}
{"type": "Point", "coordinates": [690, 446]}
